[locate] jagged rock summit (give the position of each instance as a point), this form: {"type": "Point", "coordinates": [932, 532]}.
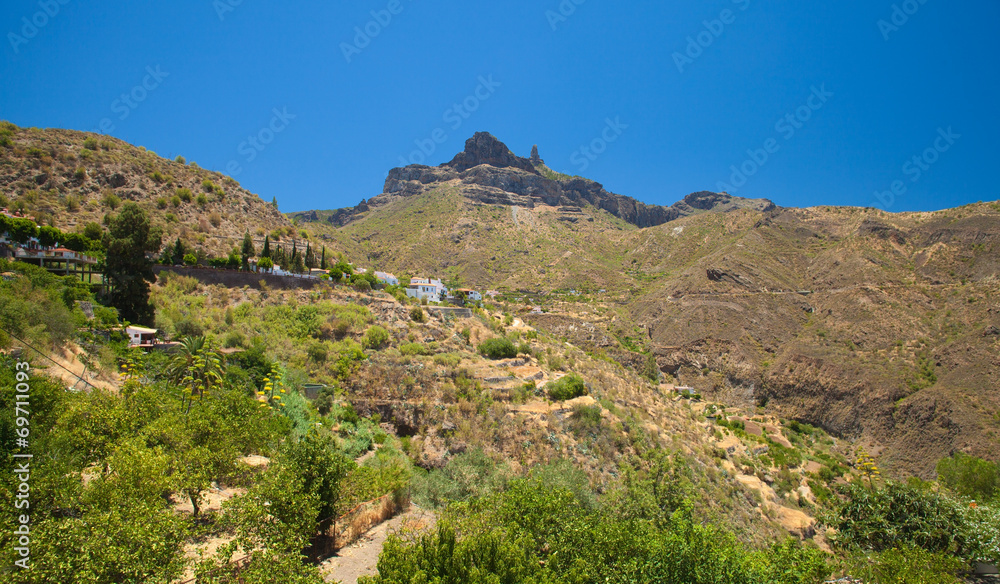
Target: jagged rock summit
{"type": "Point", "coordinates": [489, 173]}
{"type": "Point", "coordinates": [484, 148]}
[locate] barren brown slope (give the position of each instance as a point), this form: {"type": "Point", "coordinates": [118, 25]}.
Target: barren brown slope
{"type": "Point", "coordinates": [872, 325]}
{"type": "Point", "coordinates": [67, 179]}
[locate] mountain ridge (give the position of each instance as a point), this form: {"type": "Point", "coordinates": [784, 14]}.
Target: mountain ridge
{"type": "Point", "coordinates": [488, 172]}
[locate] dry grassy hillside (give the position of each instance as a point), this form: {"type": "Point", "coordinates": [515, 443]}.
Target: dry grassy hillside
{"type": "Point", "coordinates": [67, 179]}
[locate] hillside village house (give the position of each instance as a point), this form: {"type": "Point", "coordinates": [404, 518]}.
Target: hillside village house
{"type": "Point", "coordinates": [466, 294]}
{"type": "Point", "coordinates": [141, 337]}
{"type": "Point", "coordinates": [426, 288]}
{"type": "Point", "coordinates": [387, 279]}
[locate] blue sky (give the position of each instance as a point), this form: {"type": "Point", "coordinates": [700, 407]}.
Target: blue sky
{"type": "Point", "coordinates": [653, 99]}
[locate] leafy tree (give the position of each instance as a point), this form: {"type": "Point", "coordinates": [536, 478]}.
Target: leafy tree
{"type": "Point", "coordinates": [49, 236]}
{"type": "Point", "coordinates": [21, 230]}
{"type": "Point", "coordinates": [265, 264]}
{"type": "Point", "coordinates": [345, 268]}
{"type": "Point", "coordinates": [190, 259]}
{"type": "Point", "coordinates": [970, 476]}
{"type": "Point", "coordinates": [295, 498]}
{"type": "Point", "coordinates": [93, 231]}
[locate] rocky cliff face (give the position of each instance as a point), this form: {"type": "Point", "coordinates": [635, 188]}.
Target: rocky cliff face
{"type": "Point", "coordinates": [488, 172]}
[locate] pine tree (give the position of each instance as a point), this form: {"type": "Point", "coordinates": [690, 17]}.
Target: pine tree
{"type": "Point", "coordinates": [248, 251]}
{"type": "Point", "coordinates": [127, 268]}
{"type": "Point", "coordinates": [295, 251]}
{"type": "Point", "coordinates": [274, 202]}
{"type": "Point", "coordinates": [266, 252]}
{"type": "Point", "coordinates": [177, 257]}
{"type": "Point", "coordinates": [322, 262]}
{"type": "Point", "coordinates": [297, 266]}
{"type": "Point", "coordinates": [310, 257]}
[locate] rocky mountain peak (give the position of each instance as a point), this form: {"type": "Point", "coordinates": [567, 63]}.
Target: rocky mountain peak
{"type": "Point", "coordinates": [535, 158]}
{"type": "Point", "coordinates": [484, 148]}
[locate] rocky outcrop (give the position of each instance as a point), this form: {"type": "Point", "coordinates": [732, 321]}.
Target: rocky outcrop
{"type": "Point", "coordinates": [703, 201]}
{"type": "Point", "coordinates": [535, 158]}
{"type": "Point", "coordinates": [489, 173]}
{"type": "Point", "coordinates": [484, 148]}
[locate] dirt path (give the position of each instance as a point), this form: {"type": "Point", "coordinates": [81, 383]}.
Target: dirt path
{"type": "Point", "coordinates": [361, 557]}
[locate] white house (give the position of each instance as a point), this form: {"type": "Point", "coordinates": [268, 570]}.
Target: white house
{"type": "Point", "coordinates": [426, 288]}
{"type": "Point", "coordinates": [141, 337]}
{"type": "Point", "coordinates": [466, 294]}
{"type": "Point", "coordinates": [387, 279]}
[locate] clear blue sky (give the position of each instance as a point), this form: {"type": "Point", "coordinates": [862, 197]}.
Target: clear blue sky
{"type": "Point", "coordinates": [229, 67]}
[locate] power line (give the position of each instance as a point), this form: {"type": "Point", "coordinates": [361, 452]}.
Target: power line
{"type": "Point", "coordinates": [43, 354]}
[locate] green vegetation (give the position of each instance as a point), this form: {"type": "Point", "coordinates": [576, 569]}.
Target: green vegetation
{"type": "Point", "coordinates": [415, 349]}
{"type": "Point", "coordinates": [41, 308]}
{"type": "Point", "coordinates": [127, 269]}
{"type": "Point", "coordinates": [566, 388]}
{"type": "Point", "coordinates": [970, 477]}
{"type": "Point", "coordinates": [547, 528]}
{"type": "Point", "coordinates": [498, 348]}
{"type": "Point", "coordinates": [375, 338]}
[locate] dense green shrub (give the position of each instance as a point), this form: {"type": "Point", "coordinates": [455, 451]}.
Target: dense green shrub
{"type": "Point", "coordinates": [417, 314]}
{"type": "Point", "coordinates": [375, 338]}
{"type": "Point", "coordinates": [912, 565]}
{"type": "Point", "coordinates": [970, 476]}
{"type": "Point", "coordinates": [498, 348]}
{"type": "Point", "coordinates": [448, 359]}
{"type": "Point", "coordinates": [566, 388]}
{"type": "Point", "coordinates": [896, 515]}
{"type": "Point", "coordinates": [984, 533]}
{"type": "Point", "coordinates": [415, 349]}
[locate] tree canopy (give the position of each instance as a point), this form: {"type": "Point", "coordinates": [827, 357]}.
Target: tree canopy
{"type": "Point", "coordinates": [127, 268]}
